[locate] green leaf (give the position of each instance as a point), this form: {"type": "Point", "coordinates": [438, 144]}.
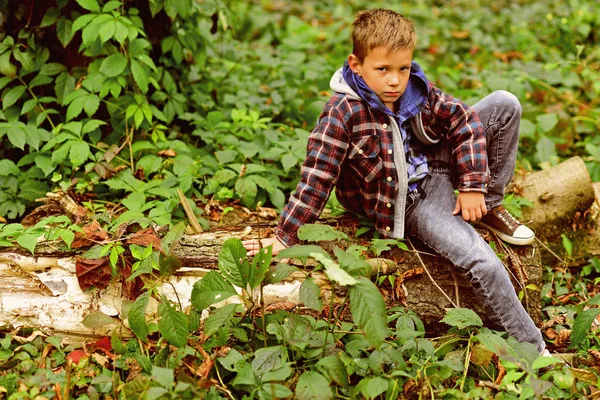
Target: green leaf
{"type": "Point", "coordinates": [82, 21]}
{"type": "Point", "coordinates": [289, 161]}
{"type": "Point", "coordinates": [230, 361]}
{"type": "Point", "coordinates": [368, 310]}
{"type": "Point", "coordinates": [91, 104]}
{"type": "Point", "coordinates": [372, 387]}
{"type": "Point", "coordinates": [310, 294]}
{"type": "Point", "coordinates": [268, 359]}
{"type": "Point", "coordinates": [219, 318]}
{"type": "Point", "coordinates": [582, 325]}
{"type": "Point", "coordinates": [65, 84]}
{"type": "Point", "coordinates": [76, 107]}
{"type": "Point", "coordinates": [64, 31]}
{"type": "Point", "coordinates": [544, 361]}
{"type": "Point", "coordinates": [113, 65]}
{"type": "Point", "coordinates": [545, 149]}
{"type": "Point", "coordinates": [8, 167]}
{"type": "Point", "coordinates": [137, 316]}
{"type": "Point", "coordinates": [333, 271]}
{"type": "Point", "coordinates": [567, 245]}
{"type": "Point", "coordinates": [313, 386]}
{"type": "Point", "coordinates": [173, 325]}
{"type": "Point", "coordinates": [300, 251]}
{"type": "Point", "coordinates": [12, 95]}
{"type": "Point", "coordinates": [279, 272]}
{"type": "Point", "coordinates": [28, 106]}
{"type": "Point", "coordinates": [45, 163]}
{"type": "Point", "coordinates": [50, 17]}
{"type": "Point", "coordinates": [231, 260]}
{"type": "Point", "coordinates": [211, 289]}
{"type": "Point", "coordinates": [16, 134]}
{"type": "Point", "coordinates": [90, 5]}
{"type": "Point", "coordinates": [79, 153]}
{"type": "Point", "coordinates": [247, 190]}
{"type": "Point", "coordinates": [106, 31]}
{"type": "Point", "coordinates": [140, 75]}
{"type": "Point", "coordinates": [97, 319]}
{"type": "Point", "coordinates": [547, 122]}
{"type": "Point", "coordinates": [27, 241]}
{"type": "Point", "coordinates": [277, 198]}
{"type": "Point", "coordinates": [320, 232]}
{"type": "Point", "coordinates": [461, 318]}
{"type": "Point", "coordinates": [163, 376]}
{"type": "Point", "coordinates": [111, 5]}
{"type": "Point", "coordinates": [274, 391]}
{"type": "Point", "coordinates": [334, 368]}
{"type": "Point", "coordinates": [5, 80]}
{"type": "Point", "coordinates": [6, 67]}
{"type": "Point", "coordinates": [24, 58]}
{"type": "Point", "coordinates": [92, 125]}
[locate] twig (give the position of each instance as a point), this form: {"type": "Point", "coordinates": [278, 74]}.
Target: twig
{"type": "Point", "coordinates": [489, 385]}
{"type": "Point", "coordinates": [550, 251]}
{"type": "Point", "coordinates": [223, 386]}
{"type": "Point", "coordinates": [456, 290]}
{"type": "Point", "coordinates": [467, 360]}
{"type": "Point", "coordinates": [429, 275]}
{"type": "Point", "coordinates": [188, 211]}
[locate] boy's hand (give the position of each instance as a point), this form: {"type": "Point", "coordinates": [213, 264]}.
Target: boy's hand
{"type": "Point", "coordinates": [253, 246]}
{"type": "Point", "coordinates": [472, 205]}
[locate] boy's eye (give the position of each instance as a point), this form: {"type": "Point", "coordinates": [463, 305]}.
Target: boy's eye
{"type": "Point", "coordinates": [381, 69]}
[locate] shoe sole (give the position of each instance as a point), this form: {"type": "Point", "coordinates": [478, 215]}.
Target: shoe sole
{"type": "Point", "coordinates": [509, 239]}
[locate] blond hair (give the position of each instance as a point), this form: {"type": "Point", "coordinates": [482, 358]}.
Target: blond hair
{"type": "Point", "coordinates": [381, 27]}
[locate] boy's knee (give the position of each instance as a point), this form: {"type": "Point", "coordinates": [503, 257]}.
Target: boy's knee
{"type": "Point", "coordinates": [507, 100]}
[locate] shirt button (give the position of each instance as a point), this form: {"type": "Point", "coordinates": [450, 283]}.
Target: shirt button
{"type": "Point", "coordinates": [389, 178]}
{"type": "Point", "coordinates": [360, 151]}
{"type": "Point", "coordinates": [387, 228]}
{"type": "Point", "coordinates": [389, 205]}
{"type": "Point", "coordinates": [390, 151]}
{"type": "Point", "coordinates": [384, 126]}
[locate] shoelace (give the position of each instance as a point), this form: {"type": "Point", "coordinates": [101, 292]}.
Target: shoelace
{"type": "Point", "coordinates": [506, 217]}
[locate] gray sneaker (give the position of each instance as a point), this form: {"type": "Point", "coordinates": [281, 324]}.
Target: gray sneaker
{"type": "Point", "coordinates": [507, 227]}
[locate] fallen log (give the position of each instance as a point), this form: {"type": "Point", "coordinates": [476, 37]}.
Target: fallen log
{"type": "Point", "coordinates": [557, 193]}
{"type": "Point", "coordinates": [43, 292]}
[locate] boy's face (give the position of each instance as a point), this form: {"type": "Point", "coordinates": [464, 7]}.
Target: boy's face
{"type": "Point", "coordinates": [385, 72]}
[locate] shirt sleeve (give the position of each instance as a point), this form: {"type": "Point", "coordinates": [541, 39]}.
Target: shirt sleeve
{"type": "Point", "coordinates": [326, 150]}
{"type": "Point", "coordinates": [465, 130]}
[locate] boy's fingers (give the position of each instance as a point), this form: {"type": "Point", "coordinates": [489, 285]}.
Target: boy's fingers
{"type": "Point", "coordinates": [456, 208]}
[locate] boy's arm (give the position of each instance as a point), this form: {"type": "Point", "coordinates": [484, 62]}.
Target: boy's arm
{"type": "Point", "coordinates": [326, 150]}
{"type": "Point", "coordinates": [464, 129]}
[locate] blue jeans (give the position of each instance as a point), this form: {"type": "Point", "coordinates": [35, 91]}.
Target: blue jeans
{"type": "Point", "coordinates": [431, 219]}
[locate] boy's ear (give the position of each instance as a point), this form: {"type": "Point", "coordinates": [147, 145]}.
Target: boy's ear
{"type": "Point", "coordinates": [354, 64]}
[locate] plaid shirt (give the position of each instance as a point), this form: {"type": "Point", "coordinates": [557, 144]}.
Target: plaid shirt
{"type": "Point", "coordinates": [351, 148]}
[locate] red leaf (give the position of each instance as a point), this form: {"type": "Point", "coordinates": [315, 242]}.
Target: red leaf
{"type": "Point", "coordinates": [92, 272]}
{"type": "Point", "coordinates": [92, 233]}
{"type": "Point", "coordinates": [103, 344]}
{"type": "Point", "coordinates": [130, 289]}
{"type": "Point", "coordinates": [76, 355]}
{"type": "Point", "coordinates": [144, 238]}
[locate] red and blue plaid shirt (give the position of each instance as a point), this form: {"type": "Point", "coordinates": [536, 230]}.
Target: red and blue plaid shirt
{"type": "Point", "coordinates": [351, 148]}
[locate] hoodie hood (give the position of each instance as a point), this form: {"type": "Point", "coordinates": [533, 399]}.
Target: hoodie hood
{"type": "Point", "coordinates": [413, 99]}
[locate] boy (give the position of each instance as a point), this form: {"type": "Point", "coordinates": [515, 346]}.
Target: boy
{"type": "Point", "coordinates": [396, 147]}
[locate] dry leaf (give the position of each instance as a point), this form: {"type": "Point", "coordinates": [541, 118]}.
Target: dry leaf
{"type": "Point", "coordinates": [92, 273]}
{"type": "Point", "coordinates": [91, 234]}
{"type": "Point", "coordinates": [167, 153]}
{"type": "Point", "coordinates": [144, 238]}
